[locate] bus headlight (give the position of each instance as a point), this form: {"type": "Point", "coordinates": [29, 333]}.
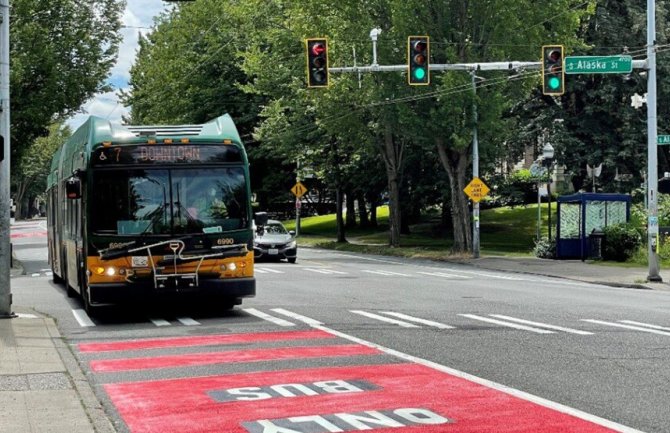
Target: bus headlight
{"type": "Point", "coordinates": [111, 271]}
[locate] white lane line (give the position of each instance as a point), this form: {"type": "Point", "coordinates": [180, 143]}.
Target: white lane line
{"type": "Point", "coordinates": [487, 383]}
{"type": "Point", "coordinates": [444, 275]}
{"type": "Point", "coordinates": [27, 316]}
{"type": "Point", "coordinates": [269, 318]}
{"type": "Point", "coordinates": [488, 275]}
{"type": "Point", "coordinates": [324, 271]}
{"type": "Point", "coordinates": [82, 318]}
{"type": "Point", "coordinates": [542, 325]}
{"type": "Point", "coordinates": [260, 271]}
{"type": "Point", "coordinates": [266, 270]}
{"type": "Point", "coordinates": [418, 320]}
{"type": "Point", "coordinates": [621, 325]}
{"type": "Point", "coordinates": [387, 273]}
{"type": "Point", "coordinates": [188, 321]}
{"type": "Point", "coordinates": [160, 322]}
{"type": "Point", "coordinates": [385, 319]}
{"type": "Point", "coordinates": [508, 324]}
{"type": "Point", "coordinates": [297, 316]}
{"type": "Point", "coordinates": [37, 274]}
{"type": "Point", "coordinates": [648, 325]}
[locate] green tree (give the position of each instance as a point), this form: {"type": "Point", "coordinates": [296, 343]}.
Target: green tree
{"type": "Point", "coordinates": [61, 52]}
{"type": "Point", "coordinates": [34, 165]}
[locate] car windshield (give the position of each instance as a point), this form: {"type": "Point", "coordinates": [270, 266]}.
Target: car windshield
{"type": "Point", "coordinates": [176, 201]}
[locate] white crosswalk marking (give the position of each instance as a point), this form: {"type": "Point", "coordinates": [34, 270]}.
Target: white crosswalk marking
{"type": "Point", "coordinates": [266, 270]}
{"type": "Point", "coordinates": [82, 318]}
{"type": "Point", "coordinates": [387, 273]}
{"type": "Point", "coordinates": [160, 322]}
{"type": "Point", "coordinates": [187, 321]}
{"type": "Point", "coordinates": [484, 274]}
{"type": "Point", "coordinates": [444, 275]}
{"type": "Point", "coordinates": [508, 324]}
{"type": "Point", "coordinates": [418, 320]}
{"type": "Point", "coordinates": [296, 316]}
{"type": "Point", "coordinates": [269, 318]}
{"type": "Point", "coordinates": [646, 325]}
{"type": "Point", "coordinates": [633, 327]}
{"type": "Point", "coordinates": [542, 325]}
{"type": "Point", "coordinates": [385, 319]}
{"type": "Point", "coordinates": [324, 271]}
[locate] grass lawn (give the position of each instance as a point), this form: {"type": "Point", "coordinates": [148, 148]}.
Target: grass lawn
{"type": "Point", "coordinates": [503, 231]}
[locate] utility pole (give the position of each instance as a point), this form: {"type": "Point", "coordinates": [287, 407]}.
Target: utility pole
{"type": "Point", "coordinates": [475, 170]}
{"type": "Point", "coordinates": [652, 157]}
{"type": "Point", "coordinates": [5, 251]}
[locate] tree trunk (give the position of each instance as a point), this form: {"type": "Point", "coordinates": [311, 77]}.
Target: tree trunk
{"type": "Point", "coordinates": [351, 209]}
{"type": "Point", "coordinates": [21, 189]}
{"type": "Point", "coordinates": [455, 163]}
{"type": "Point", "coordinates": [340, 219]}
{"type": "Point", "coordinates": [362, 210]}
{"type": "Point", "coordinates": [392, 154]}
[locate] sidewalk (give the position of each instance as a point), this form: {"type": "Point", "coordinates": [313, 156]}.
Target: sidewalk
{"type": "Point", "coordinates": [42, 388]}
{"type": "Point", "coordinates": [591, 272]}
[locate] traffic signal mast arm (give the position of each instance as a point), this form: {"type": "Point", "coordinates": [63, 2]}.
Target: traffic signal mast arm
{"type": "Point", "coordinates": [485, 66]}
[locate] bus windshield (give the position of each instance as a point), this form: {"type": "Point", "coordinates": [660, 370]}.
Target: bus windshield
{"type": "Point", "coordinates": [168, 201]}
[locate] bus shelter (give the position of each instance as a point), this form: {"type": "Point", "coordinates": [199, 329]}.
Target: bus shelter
{"type": "Point", "coordinates": [582, 218]}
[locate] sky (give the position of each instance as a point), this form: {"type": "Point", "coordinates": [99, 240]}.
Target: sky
{"type": "Point", "coordinates": [137, 18]}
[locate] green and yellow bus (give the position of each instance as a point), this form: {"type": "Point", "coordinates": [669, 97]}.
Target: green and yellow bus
{"type": "Point", "coordinates": [145, 211]}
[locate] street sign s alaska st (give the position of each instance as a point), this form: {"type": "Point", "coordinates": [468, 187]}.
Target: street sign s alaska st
{"type": "Point", "coordinates": [598, 64]}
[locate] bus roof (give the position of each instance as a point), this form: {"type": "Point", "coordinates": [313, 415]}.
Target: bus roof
{"type": "Point", "coordinates": [95, 130]}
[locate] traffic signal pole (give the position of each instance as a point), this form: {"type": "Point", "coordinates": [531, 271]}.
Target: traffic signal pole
{"type": "Point", "coordinates": [652, 149]}
{"type": "Point", "coordinates": [5, 252]}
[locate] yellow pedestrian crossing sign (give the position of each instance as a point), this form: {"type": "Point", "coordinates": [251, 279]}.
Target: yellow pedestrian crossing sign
{"type": "Point", "coordinates": [299, 189]}
{"type": "Point", "coordinates": [476, 190]}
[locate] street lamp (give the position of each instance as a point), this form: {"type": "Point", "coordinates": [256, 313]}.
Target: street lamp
{"type": "Point", "coordinates": [547, 161]}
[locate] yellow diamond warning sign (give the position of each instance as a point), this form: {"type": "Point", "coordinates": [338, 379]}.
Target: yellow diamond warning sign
{"type": "Point", "coordinates": [476, 190]}
{"type": "Point", "coordinates": [299, 189]}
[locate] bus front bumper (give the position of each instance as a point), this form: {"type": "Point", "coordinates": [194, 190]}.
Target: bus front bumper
{"type": "Point", "coordinates": [114, 293]}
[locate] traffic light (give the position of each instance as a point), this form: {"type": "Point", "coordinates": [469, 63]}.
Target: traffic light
{"type": "Point", "coordinates": [553, 75]}
{"type": "Point", "coordinates": [418, 55]}
{"type": "Point", "coordinates": [317, 62]}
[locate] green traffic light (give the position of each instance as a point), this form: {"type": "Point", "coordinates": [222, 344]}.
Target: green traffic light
{"type": "Point", "coordinates": [554, 83]}
{"type": "Point", "coordinates": [419, 73]}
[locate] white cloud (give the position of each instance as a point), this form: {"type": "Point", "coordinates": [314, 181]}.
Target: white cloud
{"type": "Point", "coordinates": [137, 18]}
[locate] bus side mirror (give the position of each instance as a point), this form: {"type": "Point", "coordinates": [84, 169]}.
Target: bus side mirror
{"type": "Point", "coordinates": [73, 187]}
{"type": "Point", "coordinates": [261, 219]}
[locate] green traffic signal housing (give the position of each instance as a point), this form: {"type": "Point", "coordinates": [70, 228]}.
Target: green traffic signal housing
{"type": "Point", "coordinates": [553, 72]}
{"type": "Point", "coordinates": [418, 60]}
{"type": "Point", "coordinates": [317, 62]}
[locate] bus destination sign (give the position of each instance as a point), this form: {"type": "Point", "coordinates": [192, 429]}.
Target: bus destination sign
{"type": "Point", "coordinates": [172, 154]}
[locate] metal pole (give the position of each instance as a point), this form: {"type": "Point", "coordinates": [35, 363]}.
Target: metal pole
{"type": "Point", "coordinates": [297, 199]}
{"type": "Point", "coordinates": [475, 170]}
{"type": "Point", "coordinates": [539, 212]}
{"type": "Point", "coordinates": [5, 250]}
{"type": "Point", "coordinates": [549, 208]}
{"type": "Point", "coordinates": [652, 163]}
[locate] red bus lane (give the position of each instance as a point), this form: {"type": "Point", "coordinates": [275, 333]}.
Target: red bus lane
{"type": "Point", "coordinates": [396, 396]}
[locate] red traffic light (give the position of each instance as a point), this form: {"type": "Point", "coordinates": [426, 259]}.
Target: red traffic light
{"type": "Point", "coordinates": [420, 46]}
{"type": "Point", "coordinates": [318, 49]}
{"type": "Point", "coordinates": [317, 62]}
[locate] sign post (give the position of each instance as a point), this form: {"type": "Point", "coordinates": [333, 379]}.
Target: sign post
{"type": "Point", "coordinates": [298, 191]}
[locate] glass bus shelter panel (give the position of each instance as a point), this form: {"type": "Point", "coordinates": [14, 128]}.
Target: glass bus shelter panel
{"type": "Point", "coordinates": [571, 220]}
{"type": "Point", "coordinates": [617, 212]}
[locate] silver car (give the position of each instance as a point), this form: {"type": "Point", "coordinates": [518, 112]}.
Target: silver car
{"type": "Point", "coordinates": [273, 241]}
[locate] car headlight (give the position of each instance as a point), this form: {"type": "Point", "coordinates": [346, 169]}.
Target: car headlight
{"type": "Point", "coordinates": [292, 244]}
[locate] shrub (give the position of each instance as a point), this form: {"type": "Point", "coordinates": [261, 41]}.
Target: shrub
{"type": "Point", "coordinates": [545, 249]}
{"type": "Point", "coordinates": [621, 242]}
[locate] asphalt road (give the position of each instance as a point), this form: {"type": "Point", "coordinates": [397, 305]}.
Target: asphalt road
{"type": "Point", "coordinates": [600, 350]}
